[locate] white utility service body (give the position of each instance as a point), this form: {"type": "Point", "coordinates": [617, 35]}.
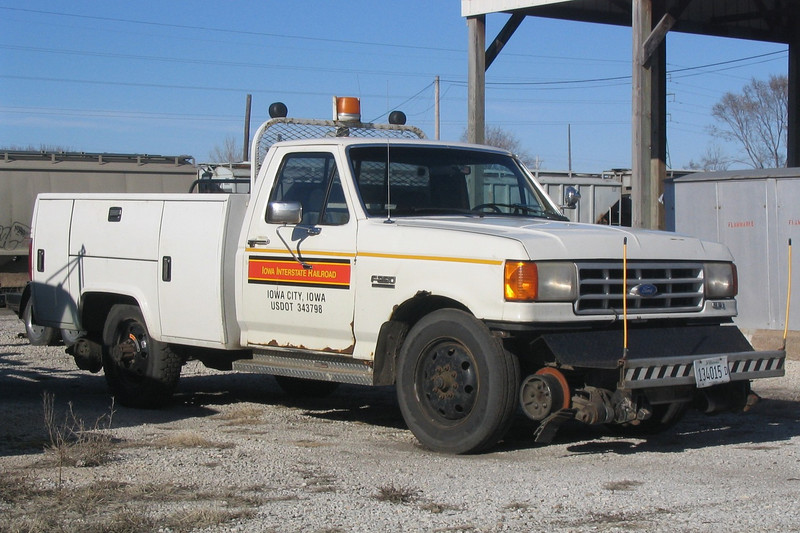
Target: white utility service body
{"type": "Point", "coordinates": [442, 268]}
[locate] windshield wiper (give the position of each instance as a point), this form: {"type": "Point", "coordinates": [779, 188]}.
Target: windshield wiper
{"type": "Point", "coordinates": [518, 210]}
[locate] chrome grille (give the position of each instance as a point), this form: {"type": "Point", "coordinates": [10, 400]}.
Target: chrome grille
{"type": "Point", "coordinates": [678, 288]}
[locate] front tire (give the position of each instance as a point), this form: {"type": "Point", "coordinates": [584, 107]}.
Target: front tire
{"type": "Point", "coordinates": [37, 335]}
{"type": "Point", "coordinates": [140, 371]}
{"type": "Point", "coordinates": [456, 384]}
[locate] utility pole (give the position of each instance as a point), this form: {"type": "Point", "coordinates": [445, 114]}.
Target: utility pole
{"type": "Point", "coordinates": [569, 149]}
{"type": "Point", "coordinates": [246, 144]}
{"type": "Point", "coordinates": [436, 106]}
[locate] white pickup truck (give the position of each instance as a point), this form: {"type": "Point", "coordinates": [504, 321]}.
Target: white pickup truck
{"type": "Point", "coordinates": [440, 268]}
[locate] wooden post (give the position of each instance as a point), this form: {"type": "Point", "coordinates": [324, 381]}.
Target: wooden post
{"type": "Point", "coordinates": [476, 99]}
{"type": "Point", "coordinates": [648, 161]}
{"type": "Point", "coordinates": [793, 135]}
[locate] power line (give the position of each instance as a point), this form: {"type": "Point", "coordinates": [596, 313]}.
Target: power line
{"type": "Point", "coordinates": [194, 28]}
{"type": "Point", "coordinates": [214, 62]}
{"type": "Point", "coordinates": [626, 78]}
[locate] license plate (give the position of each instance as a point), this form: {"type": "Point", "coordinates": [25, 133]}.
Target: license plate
{"type": "Point", "coordinates": [711, 371]}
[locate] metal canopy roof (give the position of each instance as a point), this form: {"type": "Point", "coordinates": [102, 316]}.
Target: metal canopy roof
{"type": "Point", "coordinates": [762, 20]}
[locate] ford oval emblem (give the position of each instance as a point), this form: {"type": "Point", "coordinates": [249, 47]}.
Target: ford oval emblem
{"type": "Point", "coordinates": [645, 290]}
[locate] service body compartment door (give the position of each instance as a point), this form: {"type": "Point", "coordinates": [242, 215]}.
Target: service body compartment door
{"type": "Point", "coordinates": [297, 291]}
{"type": "Point", "coordinates": [190, 278]}
{"type": "Point", "coordinates": [52, 303]}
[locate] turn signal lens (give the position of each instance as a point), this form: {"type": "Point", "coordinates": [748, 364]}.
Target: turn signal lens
{"type": "Point", "coordinates": [546, 281]}
{"type": "Point", "coordinates": [522, 281]}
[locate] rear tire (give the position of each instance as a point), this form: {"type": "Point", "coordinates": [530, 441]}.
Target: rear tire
{"type": "Point", "coordinates": [140, 372]}
{"type": "Point", "coordinates": [456, 384]}
{"type": "Point", "coordinates": [71, 336]}
{"type": "Point", "coordinates": [37, 335]}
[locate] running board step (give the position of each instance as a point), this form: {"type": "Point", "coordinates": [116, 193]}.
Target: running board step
{"type": "Point", "coordinates": [315, 366]}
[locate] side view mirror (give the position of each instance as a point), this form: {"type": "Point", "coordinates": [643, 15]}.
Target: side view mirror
{"type": "Point", "coordinates": [284, 213]}
{"type": "Point", "coordinates": [571, 198]}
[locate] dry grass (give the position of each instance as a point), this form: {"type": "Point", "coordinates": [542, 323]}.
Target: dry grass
{"type": "Point", "coordinates": [623, 485]}
{"type": "Point", "coordinates": [189, 439]}
{"type": "Point", "coordinates": [74, 444]}
{"type": "Point", "coordinates": [105, 505]}
{"type": "Point", "coordinates": [115, 507]}
{"type": "Point", "coordinates": [247, 415]}
{"type": "Point", "coordinates": [394, 494]}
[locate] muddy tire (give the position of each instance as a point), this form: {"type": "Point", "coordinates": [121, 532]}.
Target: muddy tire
{"type": "Point", "coordinates": [456, 385]}
{"type": "Point", "coordinates": [37, 335]}
{"type": "Point", "coordinates": [140, 371]}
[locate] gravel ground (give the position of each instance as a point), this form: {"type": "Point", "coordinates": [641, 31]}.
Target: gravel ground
{"type": "Point", "coordinates": [233, 453]}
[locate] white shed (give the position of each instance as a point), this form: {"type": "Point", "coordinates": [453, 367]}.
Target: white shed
{"type": "Point", "coordinates": [755, 213]}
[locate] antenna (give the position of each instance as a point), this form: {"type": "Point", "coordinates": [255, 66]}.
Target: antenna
{"type": "Point", "coordinates": [622, 361]}
{"type": "Point", "coordinates": [625, 298]}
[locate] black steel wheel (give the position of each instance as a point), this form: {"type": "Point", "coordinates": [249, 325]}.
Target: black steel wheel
{"type": "Point", "coordinates": [456, 385]}
{"type": "Point", "coordinates": [37, 335]}
{"type": "Point", "coordinates": [140, 372]}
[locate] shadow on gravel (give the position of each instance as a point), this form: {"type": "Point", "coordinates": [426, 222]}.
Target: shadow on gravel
{"type": "Point", "coordinates": [765, 427]}
{"type": "Point", "coordinates": [23, 431]}
{"type": "Point", "coordinates": [349, 403]}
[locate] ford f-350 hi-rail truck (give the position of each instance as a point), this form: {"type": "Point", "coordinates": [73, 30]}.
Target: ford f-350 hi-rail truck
{"type": "Point", "coordinates": [440, 268]}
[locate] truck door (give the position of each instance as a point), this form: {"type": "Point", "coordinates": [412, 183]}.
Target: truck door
{"type": "Point", "coordinates": [297, 288]}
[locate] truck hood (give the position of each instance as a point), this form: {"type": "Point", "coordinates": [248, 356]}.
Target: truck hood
{"type": "Point", "coordinates": [555, 240]}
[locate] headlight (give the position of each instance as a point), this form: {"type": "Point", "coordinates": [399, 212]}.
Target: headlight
{"type": "Point", "coordinates": [721, 280]}
{"type": "Point", "coordinates": [526, 281]}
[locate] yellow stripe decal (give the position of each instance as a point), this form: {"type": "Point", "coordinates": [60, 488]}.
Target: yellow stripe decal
{"type": "Point", "coordinates": [316, 253]}
{"type": "Point", "coordinates": [433, 258]}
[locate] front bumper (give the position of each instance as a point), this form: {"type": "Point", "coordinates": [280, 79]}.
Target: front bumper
{"type": "Point", "coordinates": [663, 356]}
{"type": "Point", "coordinates": [672, 371]}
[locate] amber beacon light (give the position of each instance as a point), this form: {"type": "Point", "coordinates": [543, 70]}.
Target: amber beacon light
{"type": "Point", "coordinates": [346, 109]}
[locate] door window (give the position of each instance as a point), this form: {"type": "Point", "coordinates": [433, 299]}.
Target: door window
{"type": "Point", "coordinates": [312, 179]}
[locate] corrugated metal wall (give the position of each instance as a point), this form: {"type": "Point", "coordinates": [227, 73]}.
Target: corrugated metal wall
{"type": "Point", "coordinates": [754, 213]}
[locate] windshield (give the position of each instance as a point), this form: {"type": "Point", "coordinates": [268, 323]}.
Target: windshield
{"type": "Point", "coordinates": [424, 180]}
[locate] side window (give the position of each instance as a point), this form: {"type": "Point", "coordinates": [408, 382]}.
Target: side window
{"type": "Point", "coordinates": [313, 180]}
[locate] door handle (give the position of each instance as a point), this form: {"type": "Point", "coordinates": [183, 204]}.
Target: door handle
{"type": "Point", "coordinates": [253, 242]}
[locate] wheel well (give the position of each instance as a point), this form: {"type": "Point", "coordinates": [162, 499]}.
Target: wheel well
{"type": "Point", "coordinates": [393, 332]}
{"type": "Point", "coordinates": [411, 311]}
{"type": "Point", "coordinates": [96, 306]}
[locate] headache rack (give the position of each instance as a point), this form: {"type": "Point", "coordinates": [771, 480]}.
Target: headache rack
{"type": "Point", "coordinates": [289, 129]}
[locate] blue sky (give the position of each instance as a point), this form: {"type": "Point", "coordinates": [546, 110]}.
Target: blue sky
{"type": "Point", "coordinates": [171, 77]}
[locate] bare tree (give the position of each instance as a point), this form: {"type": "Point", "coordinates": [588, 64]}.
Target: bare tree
{"type": "Point", "coordinates": [501, 138]}
{"type": "Point", "coordinates": [714, 159]}
{"type": "Point", "coordinates": [40, 148]}
{"type": "Point", "coordinates": [229, 152]}
{"type": "Point", "coordinates": [757, 119]}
